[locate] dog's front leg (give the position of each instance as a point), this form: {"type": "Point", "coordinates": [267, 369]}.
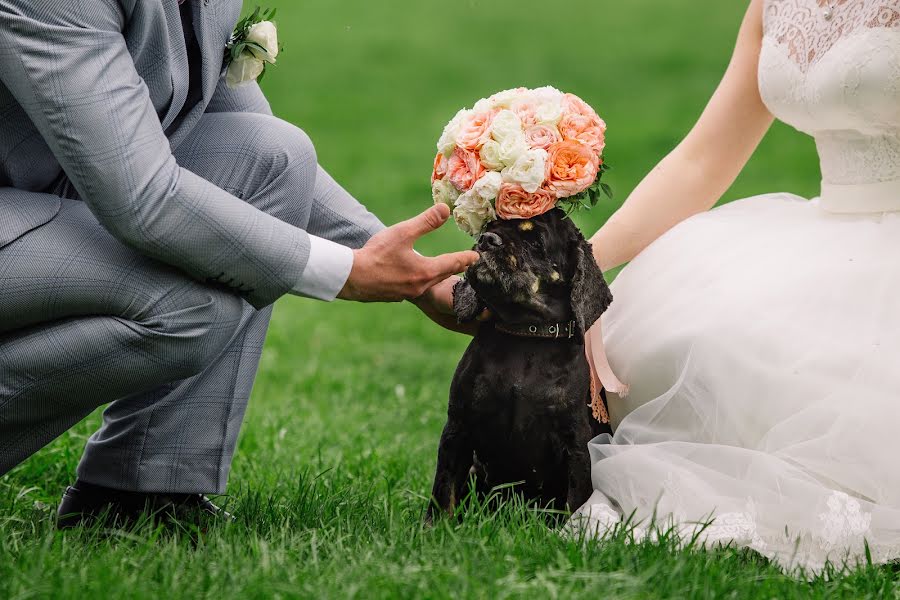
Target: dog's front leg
{"type": "Point", "coordinates": [453, 466]}
{"type": "Point", "coordinates": [579, 476]}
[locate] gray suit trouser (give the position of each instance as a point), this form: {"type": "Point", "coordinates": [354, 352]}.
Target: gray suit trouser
{"type": "Point", "coordinates": [87, 320]}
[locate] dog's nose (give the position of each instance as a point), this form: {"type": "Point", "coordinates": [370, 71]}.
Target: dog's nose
{"type": "Point", "coordinates": [489, 240]}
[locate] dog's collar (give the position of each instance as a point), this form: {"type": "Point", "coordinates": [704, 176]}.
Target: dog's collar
{"type": "Point", "coordinates": [563, 331]}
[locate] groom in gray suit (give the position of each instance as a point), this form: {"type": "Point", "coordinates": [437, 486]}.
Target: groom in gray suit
{"type": "Point", "coordinates": [149, 217]}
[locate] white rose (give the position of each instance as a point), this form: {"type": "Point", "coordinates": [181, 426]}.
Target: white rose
{"type": "Point", "coordinates": [264, 34]}
{"type": "Point", "coordinates": [447, 142]}
{"type": "Point", "coordinates": [489, 185]}
{"type": "Point", "coordinates": [512, 148]}
{"type": "Point", "coordinates": [506, 124]}
{"type": "Point", "coordinates": [549, 111]}
{"type": "Point", "coordinates": [482, 105]}
{"type": "Point", "coordinates": [528, 170]}
{"type": "Point", "coordinates": [490, 155]}
{"type": "Point", "coordinates": [472, 212]}
{"type": "Point", "coordinates": [504, 99]}
{"type": "Point", "coordinates": [244, 69]}
{"type": "Point", "coordinates": [444, 192]}
{"type": "Point", "coordinates": [548, 92]}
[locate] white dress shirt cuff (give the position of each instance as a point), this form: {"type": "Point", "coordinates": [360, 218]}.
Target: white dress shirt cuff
{"type": "Point", "coordinates": [327, 270]}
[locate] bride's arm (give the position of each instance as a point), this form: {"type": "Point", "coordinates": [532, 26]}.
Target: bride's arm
{"type": "Point", "coordinates": [703, 166]}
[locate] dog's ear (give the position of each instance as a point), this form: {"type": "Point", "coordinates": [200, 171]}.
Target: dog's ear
{"type": "Point", "coordinates": [466, 303]}
{"type": "Point", "coordinates": [590, 294]}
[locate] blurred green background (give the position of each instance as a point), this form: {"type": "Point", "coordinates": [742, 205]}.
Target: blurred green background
{"type": "Point", "coordinates": [339, 444]}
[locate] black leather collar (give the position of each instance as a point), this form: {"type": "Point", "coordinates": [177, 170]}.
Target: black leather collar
{"type": "Point", "coordinates": [556, 331]}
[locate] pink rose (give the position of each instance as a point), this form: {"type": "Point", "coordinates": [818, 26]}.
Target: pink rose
{"type": "Point", "coordinates": [541, 136]}
{"type": "Point", "coordinates": [475, 130]}
{"type": "Point", "coordinates": [440, 167]}
{"type": "Point", "coordinates": [590, 130]}
{"type": "Point", "coordinates": [464, 169]}
{"type": "Point", "coordinates": [527, 113]}
{"type": "Point", "coordinates": [513, 202]}
{"type": "Point", "coordinates": [572, 167]}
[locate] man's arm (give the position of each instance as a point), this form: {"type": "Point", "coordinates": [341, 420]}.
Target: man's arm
{"type": "Point", "coordinates": [343, 220]}
{"type": "Point", "coordinates": [351, 226]}
{"type": "Point", "coordinates": [68, 66]}
{"type": "Point", "coordinates": [340, 222]}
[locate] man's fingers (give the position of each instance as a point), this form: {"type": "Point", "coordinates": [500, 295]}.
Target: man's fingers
{"type": "Point", "coordinates": [428, 221]}
{"type": "Point", "coordinates": [446, 265]}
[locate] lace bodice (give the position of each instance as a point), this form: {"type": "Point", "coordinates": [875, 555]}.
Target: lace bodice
{"type": "Point", "coordinates": [831, 68]}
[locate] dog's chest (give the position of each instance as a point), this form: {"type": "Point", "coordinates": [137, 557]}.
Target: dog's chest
{"type": "Point", "coordinates": [521, 399]}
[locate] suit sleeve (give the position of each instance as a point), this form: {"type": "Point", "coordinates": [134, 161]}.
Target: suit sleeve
{"type": "Point", "coordinates": [342, 220]}
{"type": "Point", "coordinates": [67, 64]}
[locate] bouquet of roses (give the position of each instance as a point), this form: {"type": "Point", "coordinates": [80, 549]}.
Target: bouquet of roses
{"type": "Point", "coordinates": [518, 154]}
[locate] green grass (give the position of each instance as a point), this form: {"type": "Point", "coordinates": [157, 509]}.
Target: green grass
{"type": "Point", "coordinates": [337, 452]}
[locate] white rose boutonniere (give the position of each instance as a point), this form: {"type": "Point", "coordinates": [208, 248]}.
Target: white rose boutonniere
{"type": "Point", "coordinates": [252, 47]}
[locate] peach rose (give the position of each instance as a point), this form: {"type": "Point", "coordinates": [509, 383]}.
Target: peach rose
{"type": "Point", "coordinates": [513, 202]}
{"type": "Point", "coordinates": [590, 130]}
{"type": "Point", "coordinates": [464, 169]}
{"type": "Point", "coordinates": [440, 167]}
{"type": "Point", "coordinates": [475, 130]}
{"type": "Point", "coordinates": [572, 104]}
{"type": "Point", "coordinates": [572, 167]}
{"type": "Point", "coordinates": [541, 136]}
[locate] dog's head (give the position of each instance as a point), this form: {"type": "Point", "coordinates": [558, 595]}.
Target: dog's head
{"type": "Point", "coordinates": [535, 270]}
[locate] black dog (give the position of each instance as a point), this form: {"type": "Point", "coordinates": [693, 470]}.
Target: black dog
{"type": "Point", "coordinates": [519, 402]}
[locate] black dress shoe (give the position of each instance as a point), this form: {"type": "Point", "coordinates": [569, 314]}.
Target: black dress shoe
{"type": "Point", "coordinates": [85, 503]}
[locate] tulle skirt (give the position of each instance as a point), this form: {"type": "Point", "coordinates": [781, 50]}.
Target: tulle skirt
{"type": "Point", "coordinates": [761, 341]}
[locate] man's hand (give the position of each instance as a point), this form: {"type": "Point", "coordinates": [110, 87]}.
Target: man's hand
{"type": "Point", "coordinates": [437, 303]}
{"type": "Point", "coordinates": [387, 269]}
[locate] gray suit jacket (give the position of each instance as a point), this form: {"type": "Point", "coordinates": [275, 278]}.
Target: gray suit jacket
{"type": "Point", "coordinates": [89, 92]}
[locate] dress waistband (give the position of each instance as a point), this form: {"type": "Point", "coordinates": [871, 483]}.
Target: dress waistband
{"type": "Point", "coordinates": [861, 198]}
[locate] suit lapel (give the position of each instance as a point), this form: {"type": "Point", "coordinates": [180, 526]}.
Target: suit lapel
{"type": "Point", "coordinates": [212, 42]}
{"type": "Point", "coordinates": [211, 38]}
{"type": "Point", "coordinates": [179, 63]}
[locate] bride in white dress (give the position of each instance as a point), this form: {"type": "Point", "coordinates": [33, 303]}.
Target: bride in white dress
{"type": "Point", "coordinates": [761, 340]}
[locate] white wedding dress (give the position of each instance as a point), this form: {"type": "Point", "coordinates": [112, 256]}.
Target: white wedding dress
{"type": "Point", "coordinates": [761, 340]}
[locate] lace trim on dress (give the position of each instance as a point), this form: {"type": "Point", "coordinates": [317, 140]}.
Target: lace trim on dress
{"type": "Point", "coordinates": [802, 27]}
{"type": "Point", "coordinates": [841, 539]}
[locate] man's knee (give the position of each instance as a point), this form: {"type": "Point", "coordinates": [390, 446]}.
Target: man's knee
{"type": "Point", "coordinates": [191, 329]}
{"type": "Point", "coordinates": [285, 188]}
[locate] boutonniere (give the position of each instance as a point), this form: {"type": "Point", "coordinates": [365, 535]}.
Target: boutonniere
{"type": "Point", "coordinates": [252, 47]}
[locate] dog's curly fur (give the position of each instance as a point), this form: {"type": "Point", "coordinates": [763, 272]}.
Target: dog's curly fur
{"type": "Point", "coordinates": [519, 407]}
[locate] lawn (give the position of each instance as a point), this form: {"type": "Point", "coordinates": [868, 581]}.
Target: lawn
{"type": "Point", "coordinates": [338, 448]}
